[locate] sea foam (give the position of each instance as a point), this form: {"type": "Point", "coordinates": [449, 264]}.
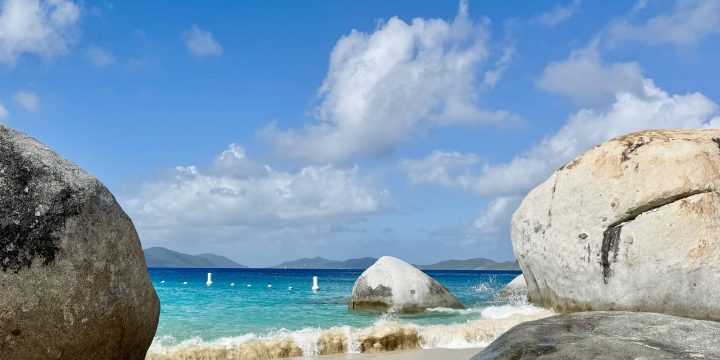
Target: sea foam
{"type": "Point", "coordinates": [388, 333]}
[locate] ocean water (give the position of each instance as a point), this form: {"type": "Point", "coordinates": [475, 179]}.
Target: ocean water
{"type": "Point", "coordinates": [194, 315]}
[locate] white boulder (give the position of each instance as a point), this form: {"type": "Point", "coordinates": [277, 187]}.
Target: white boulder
{"type": "Point", "coordinates": [514, 290]}
{"type": "Point", "coordinates": [632, 224]}
{"type": "Point", "coordinates": [394, 285]}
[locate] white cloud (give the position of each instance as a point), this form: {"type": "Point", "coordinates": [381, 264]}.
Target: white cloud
{"type": "Point", "coordinates": [449, 169]}
{"type": "Point", "coordinates": [3, 112]}
{"type": "Point", "coordinates": [29, 101]}
{"type": "Point", "coordinates": [99, 57]}
{"type": "Point", "coordinates": [494, 220]}
{"type": "Point", "coordinates": [489, 229]}
{"type": "Point", "coordinates": [557, 15]}
{"type": "Point", "coordinates": [45, 28]}
{"type": "Point", "coordinates": [653, 108]}
{"type": "Point", "coordinates": [384, 87]}
{"type": "Point", "coordinates": [236, 198]}
{"type": "Point", "coordinates": [201, 43]}
{"type": "Point", "coordinates": [688, 23]}
{"type": "Point", "coordinates": [584, 78]}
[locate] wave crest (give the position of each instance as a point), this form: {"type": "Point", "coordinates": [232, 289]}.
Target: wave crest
{"type": "Point", "coordinates": [387, 334]}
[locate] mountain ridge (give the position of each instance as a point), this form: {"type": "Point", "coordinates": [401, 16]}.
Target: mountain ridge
{"type": "Point", "coordinates": [160, 257]}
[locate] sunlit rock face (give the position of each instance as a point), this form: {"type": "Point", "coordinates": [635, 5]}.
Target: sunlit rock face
{"type": "Point", "coordinates": [632, 224]}
{"type": "Point", "coordinates": [516, 290]}
{"type": "Point", "coordinates": [394, 285]}
{"type": "Point", "coordinates": [73, 279]}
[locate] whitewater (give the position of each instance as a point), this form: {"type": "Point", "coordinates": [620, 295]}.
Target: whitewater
{"type": "Point", "coordinates": [253, 314]}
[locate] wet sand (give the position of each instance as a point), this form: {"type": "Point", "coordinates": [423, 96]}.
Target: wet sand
{"type": "Point", "coordinates": [428, 354]}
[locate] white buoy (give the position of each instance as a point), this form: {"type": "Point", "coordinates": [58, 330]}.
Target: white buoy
{"type": "Point", "coordinates": [315, 286]}
{"type": "Point", "coordinates": [248, 285]}
{"type": "Point", "coordinates": [290, 288]}
{"type": "Point", "coordinates": [269, 286]}
{"type": "Point", "coordinates": [162, 282]}
{"type": "Point", "coordinates": [209, 282]}
{"type": "Point", "coordinates": [232, 284]}
{"type": "Point", "coordinates": [184, 282]}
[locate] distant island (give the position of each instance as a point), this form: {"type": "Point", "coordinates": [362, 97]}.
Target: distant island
{"type": "Point", "coordinates": [364, 263]}
{"type": "Point", "coordinates": [165, 258]}
{"type": "Point", "coordinates": [162, 257]}
{"type": "Point", "coordinates": [322, 263]}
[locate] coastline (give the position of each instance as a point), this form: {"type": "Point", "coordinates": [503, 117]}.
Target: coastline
{"type": "Point", "coordinates": [385, 339]}
{"type": "Point", "coordinates": [419, 354]}
{"type": "Point", "coordinates": [415, 354]}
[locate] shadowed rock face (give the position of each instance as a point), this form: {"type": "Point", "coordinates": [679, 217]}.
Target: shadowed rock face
{"type": "Point", "coordinates": [394, 285]}
{"type": "Point", "coordinates": [607, 335]}
{"type": "Point", "coordinates": [72, 275]}
{"type": "Point", "coordinates": [630, 225]}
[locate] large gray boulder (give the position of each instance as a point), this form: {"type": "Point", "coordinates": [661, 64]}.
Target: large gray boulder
{"type": "Point", "coordinates": [607, 335]}
{"type": "Point", "coordinates": [631, 225]}
{"type": "Point", "coordinates": [394, 285]}
{"type": "Point", "coordinates": [73, 281]}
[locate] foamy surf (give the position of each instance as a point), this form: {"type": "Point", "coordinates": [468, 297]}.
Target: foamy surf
{"type": "Point", "coordinates": [386, 334]}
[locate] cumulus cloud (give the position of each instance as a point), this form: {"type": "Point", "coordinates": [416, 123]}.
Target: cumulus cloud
{"type": "Point", "coordinates": [29, 101]}
{"type": "Point", "coordinates": [41, 27]}
{"type": "Point", "coordinates": [201, 43]}
{"type": "Point", "coordinates": [685, 25]}
{"type": "Point", "coordinates": [557, 15]}
{"type": "Point", "coordinates": [3, 112]}
{"type": "Point", "coordinates": [494, 220]}
{"type": "Point", "coordinates": [99, 57]}
{"type": "Point", "coordinates": [235, 198]}
{"type": "Point", "coordinates": [587, 80]}
{"type": "Point", "coordinates": [652, 108]}
{"type": "Point", "coordinates": [449, 169]}
{"type": "Point", "coordinates": [384, 87]}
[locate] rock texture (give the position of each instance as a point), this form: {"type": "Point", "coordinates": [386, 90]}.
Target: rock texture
{"type": "Point", "coordinates": [607, 335]}
{"type": "Point", "coordinates": [630, 225]}
{"type": "Point", "coordinates": [73, 281]}
{"type": "Point", "coordinates": [514, 290]}
{"type": "Point", "coordinates": [394, 285]}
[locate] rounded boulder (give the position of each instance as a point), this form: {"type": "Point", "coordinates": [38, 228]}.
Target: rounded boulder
{"type": "Point", "coordinates": [630, 225]}
{"type": "Point", "coordinates": [73, 278]}
{"type": "Point", "coordinates": [394, 285]}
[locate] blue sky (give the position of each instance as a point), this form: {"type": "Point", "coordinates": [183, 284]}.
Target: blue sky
{"type": "Point", "coordinates": [272, 130]}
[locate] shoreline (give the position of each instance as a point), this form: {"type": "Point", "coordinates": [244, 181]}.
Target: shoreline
{"type": "Point", "coordinates": [383, 340]}
{"type": "Point", "coordinates": [418, 354]}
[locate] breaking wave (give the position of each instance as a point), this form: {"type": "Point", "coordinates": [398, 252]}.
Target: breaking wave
{"type": "Point", "coordinates": [388, 333]}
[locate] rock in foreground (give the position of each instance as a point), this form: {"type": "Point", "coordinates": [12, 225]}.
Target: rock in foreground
{"type": "Point", "coordinates": [394, 285]}
{"type": "Point", "coordinates": [630, 225]}
{"type": "Point", "coordinates": [607, 335]}
{"type": "Point", "coordinates": [72, 275]}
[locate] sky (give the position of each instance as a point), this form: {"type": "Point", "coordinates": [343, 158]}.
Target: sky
{"type": "Point", "coordinates": [269, 130]}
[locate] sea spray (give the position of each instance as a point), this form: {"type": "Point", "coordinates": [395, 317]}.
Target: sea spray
{"type": "Point", "coordinates": [387, 334]}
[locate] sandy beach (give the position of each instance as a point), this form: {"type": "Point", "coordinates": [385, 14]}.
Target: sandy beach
{"type": "Point", "coordinates": [421, 354]}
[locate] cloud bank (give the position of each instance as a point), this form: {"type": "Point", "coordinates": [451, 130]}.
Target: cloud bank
{"type": "Point", "coordinates": [237, 197]}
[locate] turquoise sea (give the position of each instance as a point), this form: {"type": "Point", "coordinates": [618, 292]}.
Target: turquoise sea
{"type": "Point", "coordinates": [276, 303]}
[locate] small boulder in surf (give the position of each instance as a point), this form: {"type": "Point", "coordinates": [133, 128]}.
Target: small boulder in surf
{"type": "Point", "coordinates": [394, 285]}
{"type": "Point", "coordinates": [514, 290]}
